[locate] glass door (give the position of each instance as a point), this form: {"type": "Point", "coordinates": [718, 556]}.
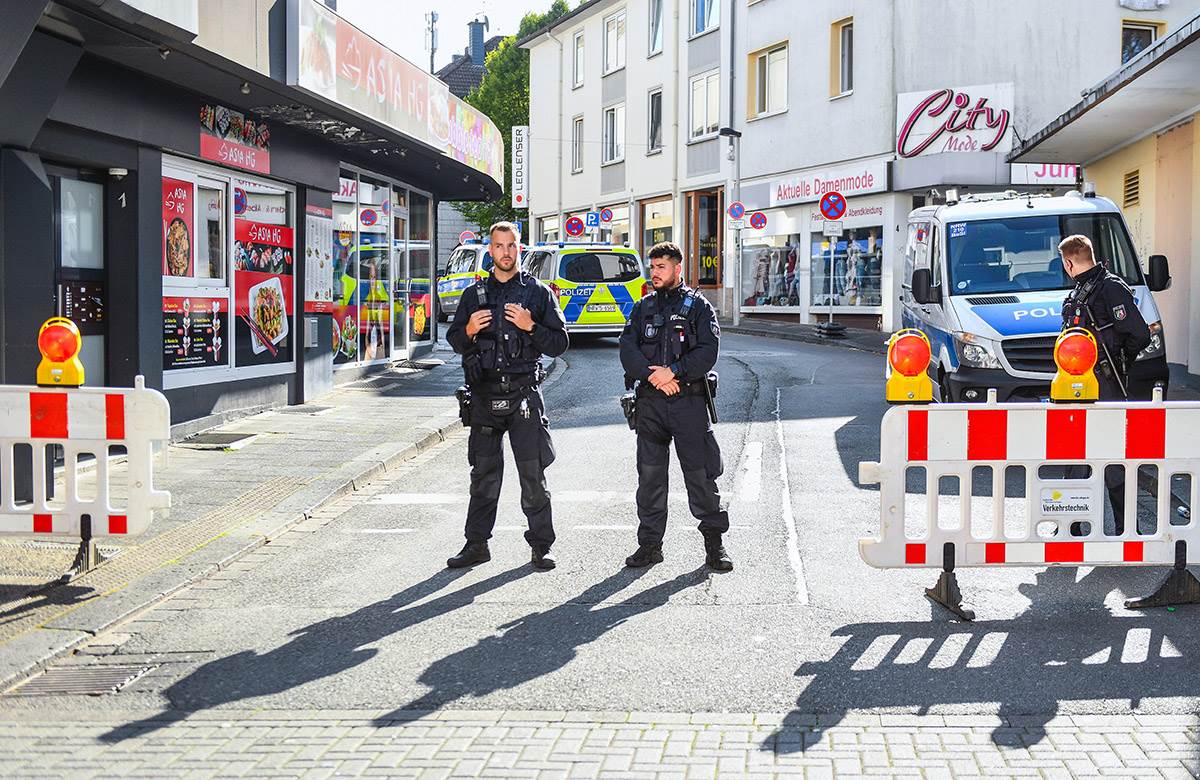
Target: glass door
{"type": "Point", "coordinates": [420, 270]}
{"type": "Point", "coordinates": [402, 287]}
{"type": "Point", "coordinates": [80, 268]}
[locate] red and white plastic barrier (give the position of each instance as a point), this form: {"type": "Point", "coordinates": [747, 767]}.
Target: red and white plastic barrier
{"type": "Point", "coordinates": [952, 440]}
{"type": "Point", "coordinates": [83, 421]}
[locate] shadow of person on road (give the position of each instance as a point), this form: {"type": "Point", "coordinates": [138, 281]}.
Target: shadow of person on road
{"type": "Point", "coordinates": [1056, 651]}
{"type": "Point", "coordinates": [320, 650]}
{"type": "Point", "coordinates": [539, 643]}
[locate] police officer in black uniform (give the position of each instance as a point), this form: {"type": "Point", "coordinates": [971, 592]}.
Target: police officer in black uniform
{"type": "Point", "coordinates": [503, 326]}
{"type": "Point", "coordinates": [1102, 303]}
{"type": "Point", "coordinates": [668, 348]}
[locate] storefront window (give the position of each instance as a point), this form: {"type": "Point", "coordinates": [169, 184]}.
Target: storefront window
{"type": "Point", "coordinates": [548, 230]}
{"type": "Point", "coordinates": [402, 283]}
{"type": "Point", "coordinates": [617, 231]}
{"type": "Point", "coordinates": [420, 260]}
{"type": "Point", "coordinates": [705, 237]}
{"type": "Point", "coordinates": [771, 274]}
{"type": "Point", "coordinates": [374, 269]}
{"type": "Point", "coordinates": [228, 273]}
{"type": "Point", "coordinates": [345, 270]}
{"type": "Point", "coordinates": [856, 259]}
{"type": "Point", "coordinates": [263, 279]}
{"type": "Point", "coordinates": [657, 219]}
{"type": "Point", "coordinates": [211, 236]}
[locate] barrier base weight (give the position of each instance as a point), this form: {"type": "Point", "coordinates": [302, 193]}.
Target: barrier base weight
{"type": "Point", "coordinates": [947, 594]}
{"type": "Point", "coordinates": [87, 557]}
{"type": "Point", "coordinates": [1180, 587]}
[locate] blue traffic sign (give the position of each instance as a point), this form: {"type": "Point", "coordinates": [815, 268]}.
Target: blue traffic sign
{"type": "Point", "coordinates": [833, 205]}
{"type": "Point", "coordinates": [592, 219]}
{"type": "Point", "coordinates": [737, 210]}
{"type": "Point", "coordinates": [606, 215]}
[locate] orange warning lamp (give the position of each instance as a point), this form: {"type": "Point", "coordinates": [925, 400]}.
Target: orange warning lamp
{"type": "Point", "coordinates": [908, 357]}
{"type": "Point", "coordinates": [59, 342]}
{"type": "Point", "coordinates": [1075, 354]}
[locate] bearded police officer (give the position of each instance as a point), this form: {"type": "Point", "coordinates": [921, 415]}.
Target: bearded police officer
{"type": "Point", "coordinates": [503, 326]}
{"type": "Point", "coordinates": [668, 349]}
{"type": "Point", "coordinates": [1102, 303]}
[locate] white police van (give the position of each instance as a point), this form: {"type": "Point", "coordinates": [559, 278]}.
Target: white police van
{"type": "Point", "coordinates": [984, 280]}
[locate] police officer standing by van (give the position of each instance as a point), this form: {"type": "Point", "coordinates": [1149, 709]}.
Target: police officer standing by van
{"type": "Point", "coordinates": [503, 326]}
{"type": "Point", "coordinates": [668, 350]}
{"type": "Point", "coordinates": [1102, 303]}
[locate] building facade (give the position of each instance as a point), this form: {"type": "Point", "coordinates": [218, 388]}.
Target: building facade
{"type": "Point", "coordinates": [235, 200]}
{"type": "Point", "coordinates": [888, 103]}
{"type": "Point", "coordinates": [1135, 134]}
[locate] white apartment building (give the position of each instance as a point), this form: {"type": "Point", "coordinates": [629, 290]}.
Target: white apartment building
{"type": "Point", "coordinates": [889, 102]}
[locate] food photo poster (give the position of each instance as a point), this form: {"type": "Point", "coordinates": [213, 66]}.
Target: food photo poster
{"type": "Point", "coordinates": [263, 292]}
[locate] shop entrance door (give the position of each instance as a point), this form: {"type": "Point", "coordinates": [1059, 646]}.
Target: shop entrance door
{"type": "Point", "coordinates": [79, 264]}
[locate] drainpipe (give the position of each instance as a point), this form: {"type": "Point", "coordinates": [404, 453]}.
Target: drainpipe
{"type": "Point", "coordinates": [736, 314]}
{"type": "Point", "coordinates": [679, 231]}
{"type": "Point", "coordinates": [560, 135]}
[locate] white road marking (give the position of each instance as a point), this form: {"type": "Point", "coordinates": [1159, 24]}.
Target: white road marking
{"type": "Point", "coordinates": [418, 498]}
{"type": "Point", "coordinates": [604, 527]}
{"type": "Point", "coordinates": [380, 530]}
{"type": "Point", "coordinates": [752, 472]}
{"type": "Point", "coordinates": [789, 521]}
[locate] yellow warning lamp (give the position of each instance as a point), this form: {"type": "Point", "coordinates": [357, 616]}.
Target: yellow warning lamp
{"type": "Point", "coordinates": [1075, 354]}
{"type": "Point", "coordinates": [59, 342]}
{"type": "Point", "coordinates": [908, 357]}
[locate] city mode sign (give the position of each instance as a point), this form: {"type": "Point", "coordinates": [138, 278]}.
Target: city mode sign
{"type": "Point", "coordinates": [958, 119]}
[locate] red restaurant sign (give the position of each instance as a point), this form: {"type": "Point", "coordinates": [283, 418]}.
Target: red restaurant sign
{"type": "Point", "coordinates": [231, 138]}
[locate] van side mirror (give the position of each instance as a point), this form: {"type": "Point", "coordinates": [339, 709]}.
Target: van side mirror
{"type": "Point", "coordinates": [922, 287]}
{"type": "Point", "coordinates": [1160, 273]}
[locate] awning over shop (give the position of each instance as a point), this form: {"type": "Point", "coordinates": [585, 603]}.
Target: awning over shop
{"type": "Point", "coordinates": [1153, 91]}
{"type": "Point", "coordinates": [460, 158]}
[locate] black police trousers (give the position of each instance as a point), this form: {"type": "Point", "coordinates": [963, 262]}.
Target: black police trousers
{"type": "Point", "coordinates": [683, 418]}
{"type": "Point", "coordinates": [529, 437]}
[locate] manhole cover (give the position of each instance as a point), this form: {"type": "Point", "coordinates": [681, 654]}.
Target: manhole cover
{"type": "Point", "coordinates": [81, 680]}
{"type": "Point", "coordinates": [312, 409]}
{"type": "Point", "coordinates": [218, 441]}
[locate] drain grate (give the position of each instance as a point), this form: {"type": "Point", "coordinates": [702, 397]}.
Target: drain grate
{"type": "Point", "coordinates": [311, 409]}
{"type": "Point", "coordinates": [81, 680]}
{"type": "Point", "coordinates": [218, 441]}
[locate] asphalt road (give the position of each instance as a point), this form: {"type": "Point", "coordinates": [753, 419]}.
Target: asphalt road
{"type": "Point", "coordinates": [361, 613]}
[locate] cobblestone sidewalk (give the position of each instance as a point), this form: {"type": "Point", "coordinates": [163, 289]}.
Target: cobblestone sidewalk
{"type": "Point", "coordinates": [322, 744]}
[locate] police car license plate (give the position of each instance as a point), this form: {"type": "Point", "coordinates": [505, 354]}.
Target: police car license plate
{"type": "Point", "coordinates": [602, 307]}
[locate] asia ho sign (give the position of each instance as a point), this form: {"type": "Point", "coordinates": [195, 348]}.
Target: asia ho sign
{"type": "Point", "coordinates": [959, 119]}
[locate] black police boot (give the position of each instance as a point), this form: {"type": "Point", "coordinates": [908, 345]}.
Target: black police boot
{"type": "Point", "coordinates": [471, 554]}
{"type": "Point", "coordinates": [543, 558]}
{"type": "Point", "coordinates": [646, 555]}
{"type": "Point", "coordinates": [714, 552]}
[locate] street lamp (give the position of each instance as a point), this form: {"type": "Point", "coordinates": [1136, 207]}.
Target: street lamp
{"type": "Point", "coordinates": [735, 149]}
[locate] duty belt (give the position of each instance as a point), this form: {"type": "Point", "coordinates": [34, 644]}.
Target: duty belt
{"type": "Point", "coordinates": [515, 382]}
{"type": "Point", "coordinates": [685, 388]}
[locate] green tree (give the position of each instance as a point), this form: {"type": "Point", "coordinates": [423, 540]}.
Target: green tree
{"type": "Point", "coordinates": [504, 96]}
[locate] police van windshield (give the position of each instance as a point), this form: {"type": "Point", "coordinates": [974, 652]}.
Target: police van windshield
{"type": "Point", "coordinates": [1021, 254]}
{"type": "Point", "coordinates": [463, 261]}
{"type": "Point", "coordinates": [593, 267]}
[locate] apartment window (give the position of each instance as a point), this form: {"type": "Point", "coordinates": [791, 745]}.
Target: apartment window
{"type": "Point", "coordinates": [769, 73]}
{"type": "Point", "coordinates": [706, 15]}
{"type": "Point", "coordinates": [577, 145]}
{"type": "Point", "coordinates": [614, 42]}
{"type": "Point", "coordinates": [705, 104]}
{"type": "Point", "coordinates": [614, 134]}
{"type": "Point", "coordinates": [656, 27]}
{"type": "Point", "coordinates": [1136, 37]}
{"type": "Point", "coordinates": [841, 50]}
{"type": "Point", "coordinates": [654, 141]}
{"type": "Point", "coordinates": [579, 59]}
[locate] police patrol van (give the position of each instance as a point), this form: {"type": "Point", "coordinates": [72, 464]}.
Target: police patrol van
{"type": "Point", "coordinates": [468, 263]}
{"type": "Point", "coordinates": [984, 280]}
{"type": "Point", "coordinates": [596, 284]}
